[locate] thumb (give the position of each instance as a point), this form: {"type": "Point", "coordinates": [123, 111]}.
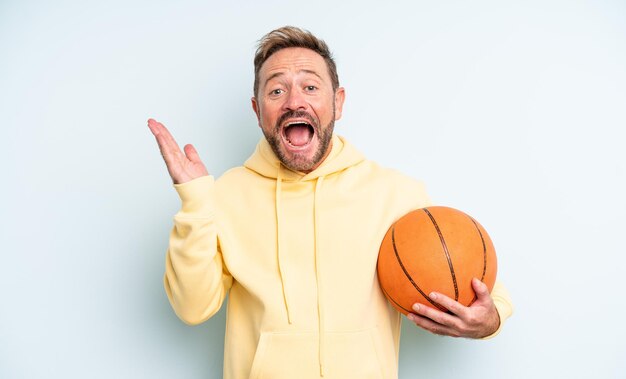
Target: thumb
{"type": "Point", "coordinates": [192, 154]}
{"type": "Point", "coordinates": [481, 289]}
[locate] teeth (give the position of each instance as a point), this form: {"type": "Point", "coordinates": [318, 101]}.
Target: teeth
{"type": "Point", "coordinates": [297, 122]}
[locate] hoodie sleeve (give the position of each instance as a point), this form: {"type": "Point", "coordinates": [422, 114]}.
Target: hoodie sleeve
{"type": "Point", "coordinates": [196, 279]}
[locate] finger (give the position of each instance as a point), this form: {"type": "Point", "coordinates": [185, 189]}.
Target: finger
{"type": "Point", "coordinates": [431, 326]}
{"type": "Point", "coordinates": [453, 306]}
{"type": "Point", "coordinates": [192, 153]}
{"type": "Point", "coordinates": [171, 155]}
{"type": "Point", "coordinates": [167, 145]}
{"type": "Point", "coordinates": [435, 315]}
{"type": "Point", "coordinates": [163, 136]}
{"type": "Point", "coordinates": [152, 124]}
{"type": "Point", "coordinates": [481, 290]}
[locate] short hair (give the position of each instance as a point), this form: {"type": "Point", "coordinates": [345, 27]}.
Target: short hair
{"type": "Point", "coordinates": [291, 36]}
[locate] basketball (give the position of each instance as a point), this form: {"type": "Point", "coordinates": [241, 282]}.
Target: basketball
{"type": "Point", "coordinates": [434, 249]}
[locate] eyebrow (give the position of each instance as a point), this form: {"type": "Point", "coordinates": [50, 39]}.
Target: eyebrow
{"type": "Point", "coordinates": [277, 74]}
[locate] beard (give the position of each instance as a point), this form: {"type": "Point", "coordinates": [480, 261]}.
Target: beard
{"type": "Point", "coordinates": [299, 161]}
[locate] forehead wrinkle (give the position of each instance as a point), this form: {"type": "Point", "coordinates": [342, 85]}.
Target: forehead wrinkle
{"type": "Point", "coordinates": [278, 74]}
{"type": "Point", "coordinates": [295, 60]}
{"type": "Point", "coordinates": [291, 61]}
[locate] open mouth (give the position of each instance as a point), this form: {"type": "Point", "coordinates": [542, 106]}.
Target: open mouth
{"type": "Point", "coordinates": [298, 134]}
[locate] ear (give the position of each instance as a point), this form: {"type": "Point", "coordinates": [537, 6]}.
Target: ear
{"type": "Point", "coordinates": [257, 110]}
{"type": "Point", "coordinates": [340, 97]}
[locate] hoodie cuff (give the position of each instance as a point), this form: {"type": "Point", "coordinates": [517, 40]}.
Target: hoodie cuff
{"type": "Point", "coordinates": [196, 197]}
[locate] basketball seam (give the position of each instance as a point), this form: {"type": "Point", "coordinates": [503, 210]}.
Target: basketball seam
{"type": "Point", "coordinates": [394, 301]}
{"type": "Point", "coordinates": [395, 250]}
{"type": "Point", "coordinates": [446, 252]}
{"type": "Point", "coordinates": [482, 239]}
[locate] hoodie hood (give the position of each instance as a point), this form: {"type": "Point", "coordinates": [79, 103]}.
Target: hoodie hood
{"type": "Point", "coordinates": [264, 161]}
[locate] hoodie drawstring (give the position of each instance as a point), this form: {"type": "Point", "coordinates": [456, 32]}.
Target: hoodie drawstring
{"type": "Point", "coordinates": [278, 241]}
{"type": "Point", "coordinates": [320, 305]}
{"type": "Point", "coordinates": [318, 279]}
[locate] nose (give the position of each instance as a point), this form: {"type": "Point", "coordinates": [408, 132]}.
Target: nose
{"type": "Point", "coordinates": [295, 101]}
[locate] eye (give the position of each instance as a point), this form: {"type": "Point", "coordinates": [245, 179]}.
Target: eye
{"type": "Point", "coordinates": [277, 92]}
{"type": "Point", "coordinates": [310, 88]}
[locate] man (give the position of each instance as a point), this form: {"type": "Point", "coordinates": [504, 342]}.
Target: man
{"type": "Point", "coordinates": [294, 235]}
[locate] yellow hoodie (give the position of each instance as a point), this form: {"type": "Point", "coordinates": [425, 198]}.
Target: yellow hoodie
{"type": "Point", "coordinates": [298, 254]}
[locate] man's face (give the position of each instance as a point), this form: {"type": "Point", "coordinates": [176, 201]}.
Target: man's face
{"type": "Point", "coordinates": [297, 107]}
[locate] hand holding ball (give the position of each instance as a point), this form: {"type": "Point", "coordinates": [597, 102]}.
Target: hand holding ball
{"type": "Point", "coordinates": [434, 249]}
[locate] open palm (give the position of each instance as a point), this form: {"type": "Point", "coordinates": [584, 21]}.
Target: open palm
{"type": "Point", "coordinates": [182, 167]}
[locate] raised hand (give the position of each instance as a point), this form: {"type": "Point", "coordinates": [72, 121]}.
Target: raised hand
{"type": "Point", "coordinates": [182, 167]}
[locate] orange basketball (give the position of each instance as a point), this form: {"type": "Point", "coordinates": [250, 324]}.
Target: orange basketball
{"type": "Point", "coordinates": [434, 249]}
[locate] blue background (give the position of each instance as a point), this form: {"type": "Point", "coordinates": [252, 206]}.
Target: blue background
{"type": "Point", "coordinates": [513, 111]}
